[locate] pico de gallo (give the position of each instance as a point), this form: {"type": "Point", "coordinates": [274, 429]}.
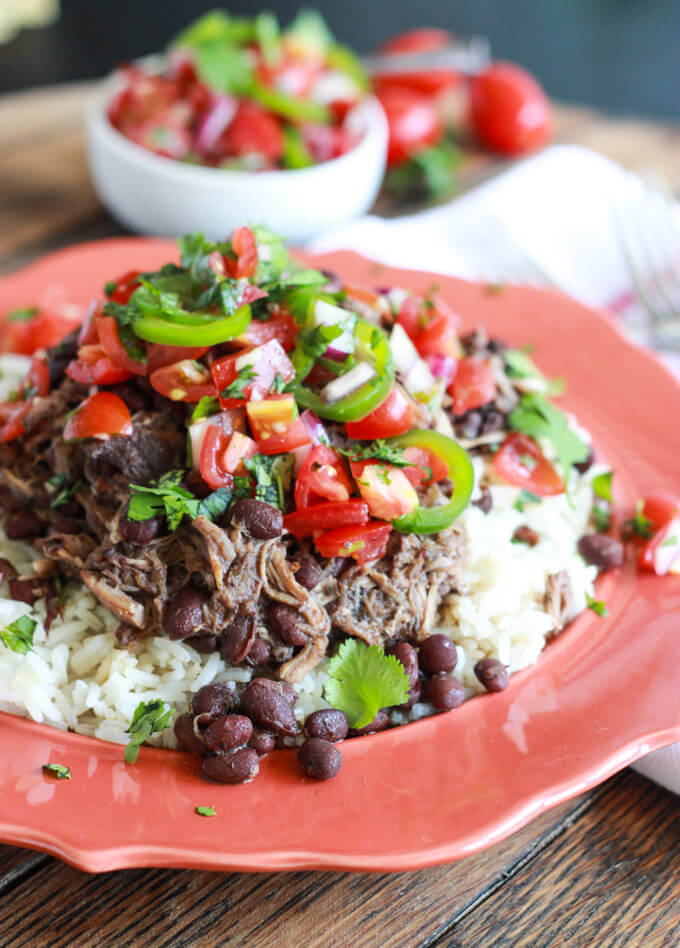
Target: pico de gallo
{"type": "Point", "coordinates": [243, 94]}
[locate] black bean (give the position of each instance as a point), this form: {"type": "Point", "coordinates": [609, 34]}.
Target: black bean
{"type": "Point", "coordinates": [319, 759]}
{"type": "Point", "coordinates": [492, 674]}
{"type": "Point", "coordinates": [186, 738]}
{"type": "Point", "coordinates": [601, 550]}
{"type": "Point", "coordinates": [469, 425]}
{"type": "Point", "coordinates": [215, 700]}
{"type": "Point", "coordinates": [485, 502]}
{"type": "Point", "coordinates": [437, 654]}
{"type": "Point", "coordinates": [583, 466]}
{"type": "Point", "coordinates": [66, 525]}
{"type": "Point", "coordinates": [262, 521]}
{"type": "Point", "coordinates": [133, 396]}
{"type": "Point", "coordinates": [72, 509]}
{"type": "Point", "coordinates": [408, 657]}
{"type": "Point", "coordinates": [494, 420]}
{"type": "Point", "coordinates": [11, 501]}
{"type": "Point", "coordinates": [524, 534]}
{"type": "Point", "coordinates": [24, 525]}
{"type": "Point", "coordinates": [444, 691]}
{"type": "Point", "coordinates": [228, 733]}
{"type": "Point", "coordinates": [184, 614]}
{"type": "Point", "coordinates": [308, 573]}
{"type": "Point", "coordinates": [260, 653]}
{"type": "Point", "coordinates": [329, 724]}
{"type": "Point", "coordinates": [262, 742]}
{"type": "Point", "coordinates": [140, 532]}
{"type": "Point", "coordinates": [379, 723]}
{"type": "Point", "coordinates": [414, 694]}
{"type": "Point", "coordinates": [239, 767]}
{"type": "Point", "coordinates": [270, 705]}
{"type": "Point", "coordinates": [287, 623]}
{"type": "Point", "coordinates": [205, 644]}
{"type": "Point", "coordinates": [238, 638]}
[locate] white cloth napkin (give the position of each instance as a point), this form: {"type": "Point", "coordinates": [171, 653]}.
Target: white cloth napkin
{"type": "Point", "coordinates": [558, 208]}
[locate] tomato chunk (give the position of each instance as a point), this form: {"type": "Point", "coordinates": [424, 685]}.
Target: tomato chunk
{"type": "Point", "coordinates": [185, 381]}
{"type": "Point", "coordinates": [93, 367]}
{"type": "Point", "coordinates": [222, 454]}
{"type": "Point", "coordinates": [472, 386]}
{"type": "Point", "coordinates": [250, 374]}
{"type": "Point", "coordinates": [125, 287]}
{"type": "Point", "coordinates": [39, 377]}
{"type": "Point", "coordinates": [424, 467]}
{"type": "Point", "coordinates": [385, 488]}
{"type": "Point", "coordinates": [438, 338]}
{"type": "Point", "coordinates": [661, 553]}
{"type": "Point", "coordinates": [12, 416]}
{"type": "Point", "coordinates": [305, 523]}
{"type": "Point", "coordinates": [281, 327]}
{"type": "Point", "coordinates": [245, 248]}
{"type": "Point", "coordinates": [275, 424]}
{"type": "Point", "coordinates": [363, 543]}
{"type": "Point", "coordinates": [520, 461]}
{"type": "Point", "coordinates": [323, 476]}
{"type": "Point", "coordinates": [394, 416]}
{"type": "Point", "coordinates": [99, 416]}
{"type": "Point", "coordinates": [158, 355]}
{"type": "Point", "coordinates": [107, 332]}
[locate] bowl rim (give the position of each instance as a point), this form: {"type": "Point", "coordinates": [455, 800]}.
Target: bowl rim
{"type": "Point", "coordinates": [368, 110]}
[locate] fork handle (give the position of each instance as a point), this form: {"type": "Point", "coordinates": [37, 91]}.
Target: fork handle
{"type": "Point", "coordinates": [468, 56]}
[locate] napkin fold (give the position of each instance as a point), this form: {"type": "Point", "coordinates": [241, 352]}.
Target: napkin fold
{"type": "Point", "coordinates": [556, 209]}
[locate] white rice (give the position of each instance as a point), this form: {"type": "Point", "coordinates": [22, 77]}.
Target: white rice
{"type": "Point", "coordinates": [78, 677]}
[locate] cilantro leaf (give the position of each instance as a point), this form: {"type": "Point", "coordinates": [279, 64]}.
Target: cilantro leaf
{"type": "Point", "coordinates": [429, 173]}
{"type": "Point", "coordinates": [59, 770]}
{"type": "Point", "coordinates": [207, 406]}
{"type": "Point", "coordinates": [165, 496]}
{"type": "Point", "coordinates": [273, 477]}
{"type": "Point", "coordinates": [66, 491]}
{"type": "Point", "coordinates": [23, 315]}
{"type": "Point", "coordinates": [363, 680]}
{"type": "Point", "coordinates": [597, 606]}
{"type": "Point", "coordinates": [149, 718]}
{"type": "Point", "coordinates": [215, 504]}
{"type": "Point", "coordinates": [379, 449]}
{"type": "Point", "coordinates": [18, 635]}
{"type": "Point", "coordinates": [639, 525]}
{"type": "Point", "coordinates": [537, 417]}
{"type": "Point", "coordinates": [206, 811]}
{"type": "Point", "coordinates": [225, 67]}
{"type": "Point", "coordinates": [526, 497]}
{"type": "Point", "coordinates": [125, 316]}
{"type": "Point", "coordinates": [602, 486]}
{"type": "Point", "coordinates": [518, 365]}
{"type": "Point", "coordinates": [315, 341]}
{"type": "Point", "coordinates": [237, 388]}
{"type": "Point", "coordinates": [602, 518]}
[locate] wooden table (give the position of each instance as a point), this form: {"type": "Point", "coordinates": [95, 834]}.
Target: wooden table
{"type": "Point", "coordinates": [603, 869]}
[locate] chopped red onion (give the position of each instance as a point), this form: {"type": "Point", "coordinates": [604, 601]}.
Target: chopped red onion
{"type": "Point", "coordinates": [443, 367]}
{"type": "Point", "coordinates": [214, 122]}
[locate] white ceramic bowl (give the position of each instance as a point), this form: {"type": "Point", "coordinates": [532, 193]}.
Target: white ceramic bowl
{"type": "Point", "coordinates": [154, 195]}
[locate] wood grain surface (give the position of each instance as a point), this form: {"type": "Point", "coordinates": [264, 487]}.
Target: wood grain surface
{"type": "Point", "coordinates": [601, 870]}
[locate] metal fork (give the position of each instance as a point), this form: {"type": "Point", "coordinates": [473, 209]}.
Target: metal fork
{"type": "Point", "coordinates": [647, 226]}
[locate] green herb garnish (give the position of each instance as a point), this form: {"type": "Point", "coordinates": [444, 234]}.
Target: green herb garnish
{"type": "Point", "coordinates": [243, 379]}
{"type": "Point", "coordinates": [207, 406]}
{"type": "Point", "coordinates": [149, 718]}
{"type": "Point", "coordinates": [58, 770]}
{"type": "Point", "coordinates": [66, 491]}
{"type": "Point", "coordinates": [639, 525]}
{"type": "Point", "coordinates": [380, 449]}
{"type": "Point", "coordinates": [363, 680]}
{"type": "Point", "coordinates": [18, 635]}
{"type": "Point", "coordinates": [273, 477]}
{"type": "Point", "coordinates": [602, 486]}
{"type": "Point", "coordinates": [537, 417]}
{"type": "Point", "coordinates": [526, 497]}
{"type": "Point", "coordinates": [429, 173]}
{"type": "Point", "coordinates": [206, 811]}
{"type": "Point", "coordinates": [597, 606]}
{"type": "Point", "coordinates": [518, 365]}
{"type": "Point", "coordinates": [23, 315]}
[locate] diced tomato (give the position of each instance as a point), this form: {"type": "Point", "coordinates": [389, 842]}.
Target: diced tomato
{"type": "Point", "coordinates": [275, 424]}
{"type": "Point", "coordinates": [472, 386]}
{"type": "Point", "coordinates": [363, 543]}
{"type": "Point", "coordinates": [88, 332]}
{"type": "Point", "coordinates": [185, 381]}
{"type": "Point", "coordinates": [265, 361]}
{"type": "Point", "coordinates": [39, 377]}
{"type": "Point", "coordinates": [99, 416]}
{"type": "Point", "coordinates": [325, 141]}
{"type": "Point", "coordinates": [107, 331]}
{"type": "Point", "coordinates": [385, 488]}
{"type": "Point", "coordinates": [283, 328]}
{"type": "Point", "coordinates": [424, 467]}
{"type": "Point", "coordinates": [661, 553]}
{"type": "Point", "coordinates": [222, 454]}
{"type": "Point", "coordinates": [252, 131]}
{"type": "Point", "coordinates": [12, 416]}
{"type": "Point", "coordinates": [413, 122]}
{"type": "Point", "coordinates": [245, 248]}
{"type": "Point", "coordinates": [305, 523]}
{"type": "Point", "coordinates": [44, 329]}
{"type": "Point", "coordinates": [520, 461]}
{"type": "Point", "coordinates": [93, 367]}
{"type": "Point", "coordinates": [411, 316]}
{"type": "Point", "coordinates": [158, 356]}
{"type": "Point", "coordinates": [394, 416]}
{"type": "Point", "coordinates": [323, 476]}
{"type": "Point", "coordinates": [125, 287]}
{"type": "Point", "coordinates": [438, 338]}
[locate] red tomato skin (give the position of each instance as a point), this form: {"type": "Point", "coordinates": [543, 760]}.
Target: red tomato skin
{"type": "Point", "coordinates": [472, 386]}
{"type": "Point", "coordinates": [323, 476]}
{"type": "Point", "coordinates": [100, 415]}
{"type": "Point", "coordinates": [283, 328]}
{"type": "Point", "coordinates": [245, 248]}
{"type": "Point", "coordinates": [158, 356]}
{"type": "Point", "coordinates": [374, 535]}
{"type": "Point", "coordinates": [429, 82]}
{"type": "Point", "coordinates": [509, 110]}
{"type": "Point", "coordinates": [394, 416]}
{"type": "Point", "coordinates": [413, 123]}
{"type": "Point", "coordinates": [419, 459]}
{"type": "Point", "coordinates": [271, 360]}
{"type": "Point", "coordinates": [39, 377]}
{"type": "Point", "coordinates": [42, 331]}
{"type": "Point", "coordinates": [306, 522]}
{"type": "Point", "coordinates": [542, 479]}
{"type": "Point", "coordinates": [12, 416]}
{"type": "Point", "coordinates": [661, 512]}
{"type": "Point", "coordinates": [176, 381]}
{"type": "Point", "coordinates": [125, 287]}
{"type": "Point", "coordinates": [214, 446]}
{"type": "Point", "coordinates": [107, 332]}
{"type": "Point", "coordinates": [93, 367]}
{"type": "Point", "coordinates": [252, 131]}
{"type": "Point", "coordinates": [410, 316]}
{"type": "Point", "coordinates": [439, 337]}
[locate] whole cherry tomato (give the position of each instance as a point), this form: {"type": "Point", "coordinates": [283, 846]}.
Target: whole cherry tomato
{"type": "Point", "coordinates": [412, 120]}
{"type": "Point", "coordinates": [509, 110]}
